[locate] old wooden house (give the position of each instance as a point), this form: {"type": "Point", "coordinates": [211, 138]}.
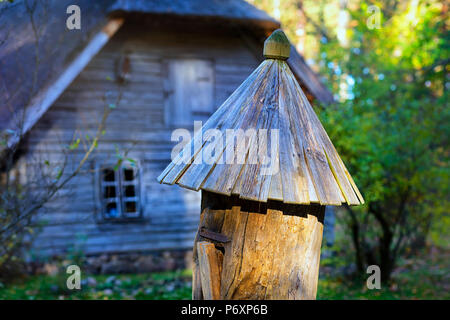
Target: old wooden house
{"type": "Point", "coordinates": [160, 65]}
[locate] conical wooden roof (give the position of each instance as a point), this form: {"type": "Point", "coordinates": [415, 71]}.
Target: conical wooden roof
{"type": "Point", "coordinates": [308, 168]}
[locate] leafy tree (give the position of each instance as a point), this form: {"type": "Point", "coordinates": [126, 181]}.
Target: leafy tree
{"type": "Point", "coordinates": [391, 123]}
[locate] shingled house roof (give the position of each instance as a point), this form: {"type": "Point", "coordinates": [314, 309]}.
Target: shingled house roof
{"type": "Point", "coordinates": [228, 9]}
{"type": "Point", "coordinates": [26, 83]}
{"type": "Point", "coordinates": [297, 165]}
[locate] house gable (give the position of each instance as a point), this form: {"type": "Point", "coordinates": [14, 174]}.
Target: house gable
{"type": "Point", "coordinates": [137, 125]}
{"type": "Point", "coordinates": [233, 12]}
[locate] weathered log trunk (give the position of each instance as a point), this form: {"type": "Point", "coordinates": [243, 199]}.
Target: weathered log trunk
{"type": "Point", "coordinates": [270, 250]}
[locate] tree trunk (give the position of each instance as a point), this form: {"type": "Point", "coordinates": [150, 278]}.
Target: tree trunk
{"type": "Point", "coordinates": [386, 263]}
{"type": "Point", "coordinates": [270, 250]}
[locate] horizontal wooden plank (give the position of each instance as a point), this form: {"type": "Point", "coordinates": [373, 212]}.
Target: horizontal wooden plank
{"type": "Point", "coordinates": [127, 96]}
{"type": "Point", "coordinates": [174, 244]}
{"type": "Point", "coordinates": [117, 230]}
{"type": "Point", "coordinates": [112, 241]}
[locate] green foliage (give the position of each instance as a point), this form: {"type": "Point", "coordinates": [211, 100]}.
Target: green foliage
{"type": "Point", "coordinates": [390, 125]}
{"type": "Point", "coordinates": [75, 144]}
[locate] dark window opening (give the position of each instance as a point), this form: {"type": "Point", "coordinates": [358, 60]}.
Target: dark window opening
{"type": "Point", "coordinates": [128, 174]}
{"type": "Point", "coordinates": [108, 175]}
{"type": "Point", "coordinates": [129, 191]}
{"type": "Point", "coordinates": [110, 192]}
{"type": "Point", "coordinates": [111, 210]}
{"type": "Point", "coordinates": [119, 193]}
{"type": "Point", "coordinates": [130, 206]}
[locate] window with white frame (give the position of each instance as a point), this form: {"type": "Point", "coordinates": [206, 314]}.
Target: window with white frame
{"type": "Point", "coordinates": [119, 194]}
{"type": "Point", "coordinates": [189, 91]}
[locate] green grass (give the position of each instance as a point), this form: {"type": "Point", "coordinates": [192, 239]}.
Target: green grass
{"type": "Point", "coordinates": [421, 278]}
{"type": "Point", "coordinates": [406, 286]}
{"type": "Point", "coordinates": [155, 286]}
{"type": "Point", "coordinates": [176, 285]}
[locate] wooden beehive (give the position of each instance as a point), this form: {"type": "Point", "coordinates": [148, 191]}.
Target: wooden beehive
{"type": "Point", "coordinates": [260, 231]}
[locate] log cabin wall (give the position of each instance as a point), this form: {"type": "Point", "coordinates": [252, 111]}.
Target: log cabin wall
{"type": "Point", "coordinates": [139, 123]}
